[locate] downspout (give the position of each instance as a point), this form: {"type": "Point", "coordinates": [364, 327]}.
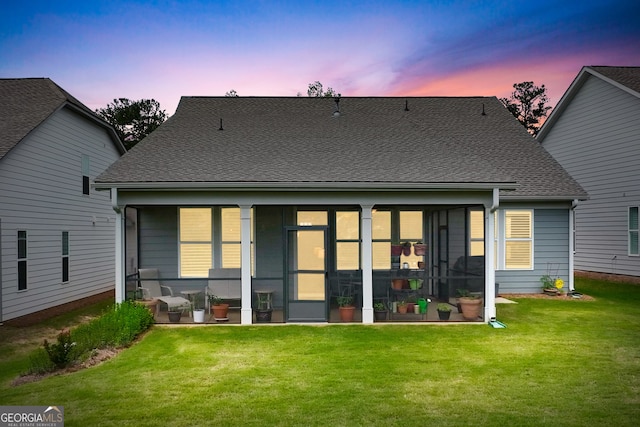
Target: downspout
{"type": "Point", "coordinates": [572, 239]}
{"type": "Point", "coordinates": [489, 261]}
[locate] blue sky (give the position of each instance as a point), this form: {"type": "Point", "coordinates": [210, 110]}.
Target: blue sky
{"type": "Point", "coordinates": [100, 50]}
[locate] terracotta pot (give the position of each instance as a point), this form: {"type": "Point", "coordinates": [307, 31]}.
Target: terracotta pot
{"type": "Point", "coordinates": [402, 309]}
{"type": "Point", "coordinates": [470, 307]}
{"type": "Point", "coordinates": [398, 283]}
{"type": "Point", "coordinates": [420, 249]}
{"type": "Point", "coordinates": [396, 250]}
{"type": "Point", "coordinates": [220, 311]}
{"type": "Point", "coordinates": [346, 313]}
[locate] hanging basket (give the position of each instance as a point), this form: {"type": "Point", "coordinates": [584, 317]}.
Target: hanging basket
{"type": "Point", "coordinates": [420, 249]}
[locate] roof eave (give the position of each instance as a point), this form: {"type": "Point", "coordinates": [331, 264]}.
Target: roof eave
{"type": "Point", "coordinates": [311, 186]}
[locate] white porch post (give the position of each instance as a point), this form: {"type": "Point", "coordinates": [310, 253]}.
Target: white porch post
{"type": "Point", "coordinates": [119, 248]}
{"type": "Point", "coordinates": [572, 249]}
{"type": "Point", "coordinates": [367, 274]}
{"type": "Point", "coordinates": [246, 315]}
{"type": "Point", "coordinates": [489, 260]}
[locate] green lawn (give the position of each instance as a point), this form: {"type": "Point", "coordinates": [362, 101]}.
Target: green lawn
{"type": "Point", "coordinates": [558, 363]}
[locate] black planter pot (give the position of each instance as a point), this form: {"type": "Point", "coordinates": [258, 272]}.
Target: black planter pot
{"type": "Point", "coordinates": [263, 316]}
{"type": "Point", "coordinates": [380, 316]}
{"type": "Point", "coordinates": [444, 315]}
{"type": "Point", "coordinates": [174, 316]}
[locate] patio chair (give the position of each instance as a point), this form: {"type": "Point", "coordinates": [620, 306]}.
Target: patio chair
{"type": "Point", "coordinates": [151, 288]}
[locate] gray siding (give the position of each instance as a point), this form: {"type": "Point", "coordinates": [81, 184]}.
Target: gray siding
{"type": "Point", "coordinates": [41, 193]}
{"type": "Point", "coordinates": [551, 250]}
{"type": "Point", "coordinates": [597, 140]}
{"type": "Point", "coordinates": [158, 228]}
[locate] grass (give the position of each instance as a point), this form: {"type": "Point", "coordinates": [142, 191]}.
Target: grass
{"type": "Point", "coordinates": [560, 363]}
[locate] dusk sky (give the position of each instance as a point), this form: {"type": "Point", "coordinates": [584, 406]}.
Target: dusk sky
{"type": "Point", "coordinates": [101, 50]}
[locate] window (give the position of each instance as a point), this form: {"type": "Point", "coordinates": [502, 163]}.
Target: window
{"type": "Point", "coordinates": [381, 239]}
{"type": "Point", "coordinates": [347, 240]}
{"type": "Point", "coordinates": [411, 231]}
{"type": "Point", "coordinates": [22, 260]}
{"type": "Point", "coordinates": [518, 239]}
{"type": "Point", "coordinates": [85, 174]}
{"type": "Point", "coordinates": [195, 242]}
{"type": "Point", "coordinates": [476, 233]}
{"type": "Point", "coordinates": [65, 256]}
{"type": "Point", "coordinates": [633, 230]}
{"type": "Point", "coordinates": [230, 238]}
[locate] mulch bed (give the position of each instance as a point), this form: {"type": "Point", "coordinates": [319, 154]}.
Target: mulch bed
{"type": "Point", "coordinates": [545, 296]}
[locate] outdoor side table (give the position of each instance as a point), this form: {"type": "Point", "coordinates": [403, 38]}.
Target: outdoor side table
{"type": "Point", "coordinates": [190, 294]}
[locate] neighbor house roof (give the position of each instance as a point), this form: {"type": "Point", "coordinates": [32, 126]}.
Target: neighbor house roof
{"type": "Point", "coordinates": [624, 78]}
{"type": "Point", "coordinates": [26, 103]}
{"type": "Point", "coordinates": [374, 142]}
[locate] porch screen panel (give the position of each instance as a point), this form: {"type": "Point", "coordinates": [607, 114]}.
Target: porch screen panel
{"type": "Point", "coordinates": [347, 240]}
{"type": "Point", "coordinates": [633, 230]}
{"type": "Point", "coordinates": [411, 231]}
{"type": "Point", "coordinates": [518, 239]}
{"type": "Point", "coordinates": [381, 236]}
{"type": "Point", "coordinates": [195, 242]}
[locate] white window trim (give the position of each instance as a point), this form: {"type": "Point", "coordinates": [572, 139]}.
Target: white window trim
{"type": "Point", "coordinates": [629, 230]}
{"type": "Point", "coordinates": [500, 240]}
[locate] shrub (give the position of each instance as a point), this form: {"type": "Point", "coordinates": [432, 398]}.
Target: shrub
{"type": "Point", "coordinates": [117, 327]}
{"type": "Point", "coordinates": [60, 352]}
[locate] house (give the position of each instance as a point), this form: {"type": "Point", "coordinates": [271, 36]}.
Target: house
{"type": "Point", "coordinates": [305, 196]}
{"type": "Point", "coordinates": [56, 232]}
{"type": "Point", "coordinates": [594, 132]}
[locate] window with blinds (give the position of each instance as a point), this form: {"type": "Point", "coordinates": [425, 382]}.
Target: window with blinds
{"type": "Point", "coordinates": [381, 239]}
{"type": "Point", "coordinates": [347, 240]}
{"type": "Point", "coordinates": [518, 239]}
{"type": "Point", "coordinates": [476, 233]}
{"type": "Point", "coordinates": [195, 242]}
{"type": "Point", "coordinates": [633, 230]}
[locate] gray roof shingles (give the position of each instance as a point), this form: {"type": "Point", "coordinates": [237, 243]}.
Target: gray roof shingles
{"type": "Point", "coordinates": [25, 103]}
{"type": "Point", "coordinates": [297, 140]}
{"type": "Point", "coordinates": [627, 76]}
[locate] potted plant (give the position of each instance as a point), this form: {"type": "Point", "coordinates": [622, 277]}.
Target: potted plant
{"type": "Point", "coordinates": [444, 311]}
{"type": "Point", "coordinates": [419, 248]}
{"type": "Point", "coordinates": [469, 304]}
{"type": "Point", "coordinates": [346, 308]}
{"type": "Point", "coordinates": [550, 285]}
{"type": "Point", "coordinates": [406, 248]}
{"type": "Point", "coordinates": [379, 311]}
{"type": "Point", "coordinates": [174, 314]}
{"type": "Point", "coordinates": [396, 249]}
{"type": "Point", "coordinates": [402, 307]}
{"type": "Point", "coordinates": [220, 308]}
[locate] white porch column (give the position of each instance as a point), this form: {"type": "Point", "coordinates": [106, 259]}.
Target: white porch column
{"type": "Point", "coordinates": [246, 315]}
{"type": "Point", "coordinates": [367, 274]}
{"type": "Point", "coordinates": [119, 248]}
{"type": "Point", "coordinates": [572, 241]}
{"type": "Point", "coordinates": [489, 260]}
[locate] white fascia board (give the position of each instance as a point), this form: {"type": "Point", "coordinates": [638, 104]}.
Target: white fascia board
{"type": "Point", "coordinates": [309, 186]}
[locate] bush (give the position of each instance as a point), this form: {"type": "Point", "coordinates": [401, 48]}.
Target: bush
{"type": "Point", "coordinates": [39, 362]}
{"type": "Point", "coordinates": [117, 327]}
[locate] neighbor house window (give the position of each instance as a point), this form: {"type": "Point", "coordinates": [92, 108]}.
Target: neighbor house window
{"type": "Point", "coordinates": [22, 260]}
{"type": "Point", "coordinates": [476, 233]}
{"type": "Point", "coordinates": [381, 239]}
{"type": "Point", "coordinates": [347, 240]}
{"type": "Point", "coordinates": [516, 239]}
{"type": "Point", "coordinates": [633, 230]}
{"type": "Point", "coordinates": [85, 174]}
{"type": "Point", "coordinates": [65, 256]}
{"type": "Point", "coordinates": [196, 242]}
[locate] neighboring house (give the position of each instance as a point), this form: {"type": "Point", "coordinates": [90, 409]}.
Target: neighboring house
{"type": "Point", "coordinates": [301, 192]}
{"type": "Point", "coordinates": [56, 232]}
{"type": "Point", "coordinates": [594, 132]}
